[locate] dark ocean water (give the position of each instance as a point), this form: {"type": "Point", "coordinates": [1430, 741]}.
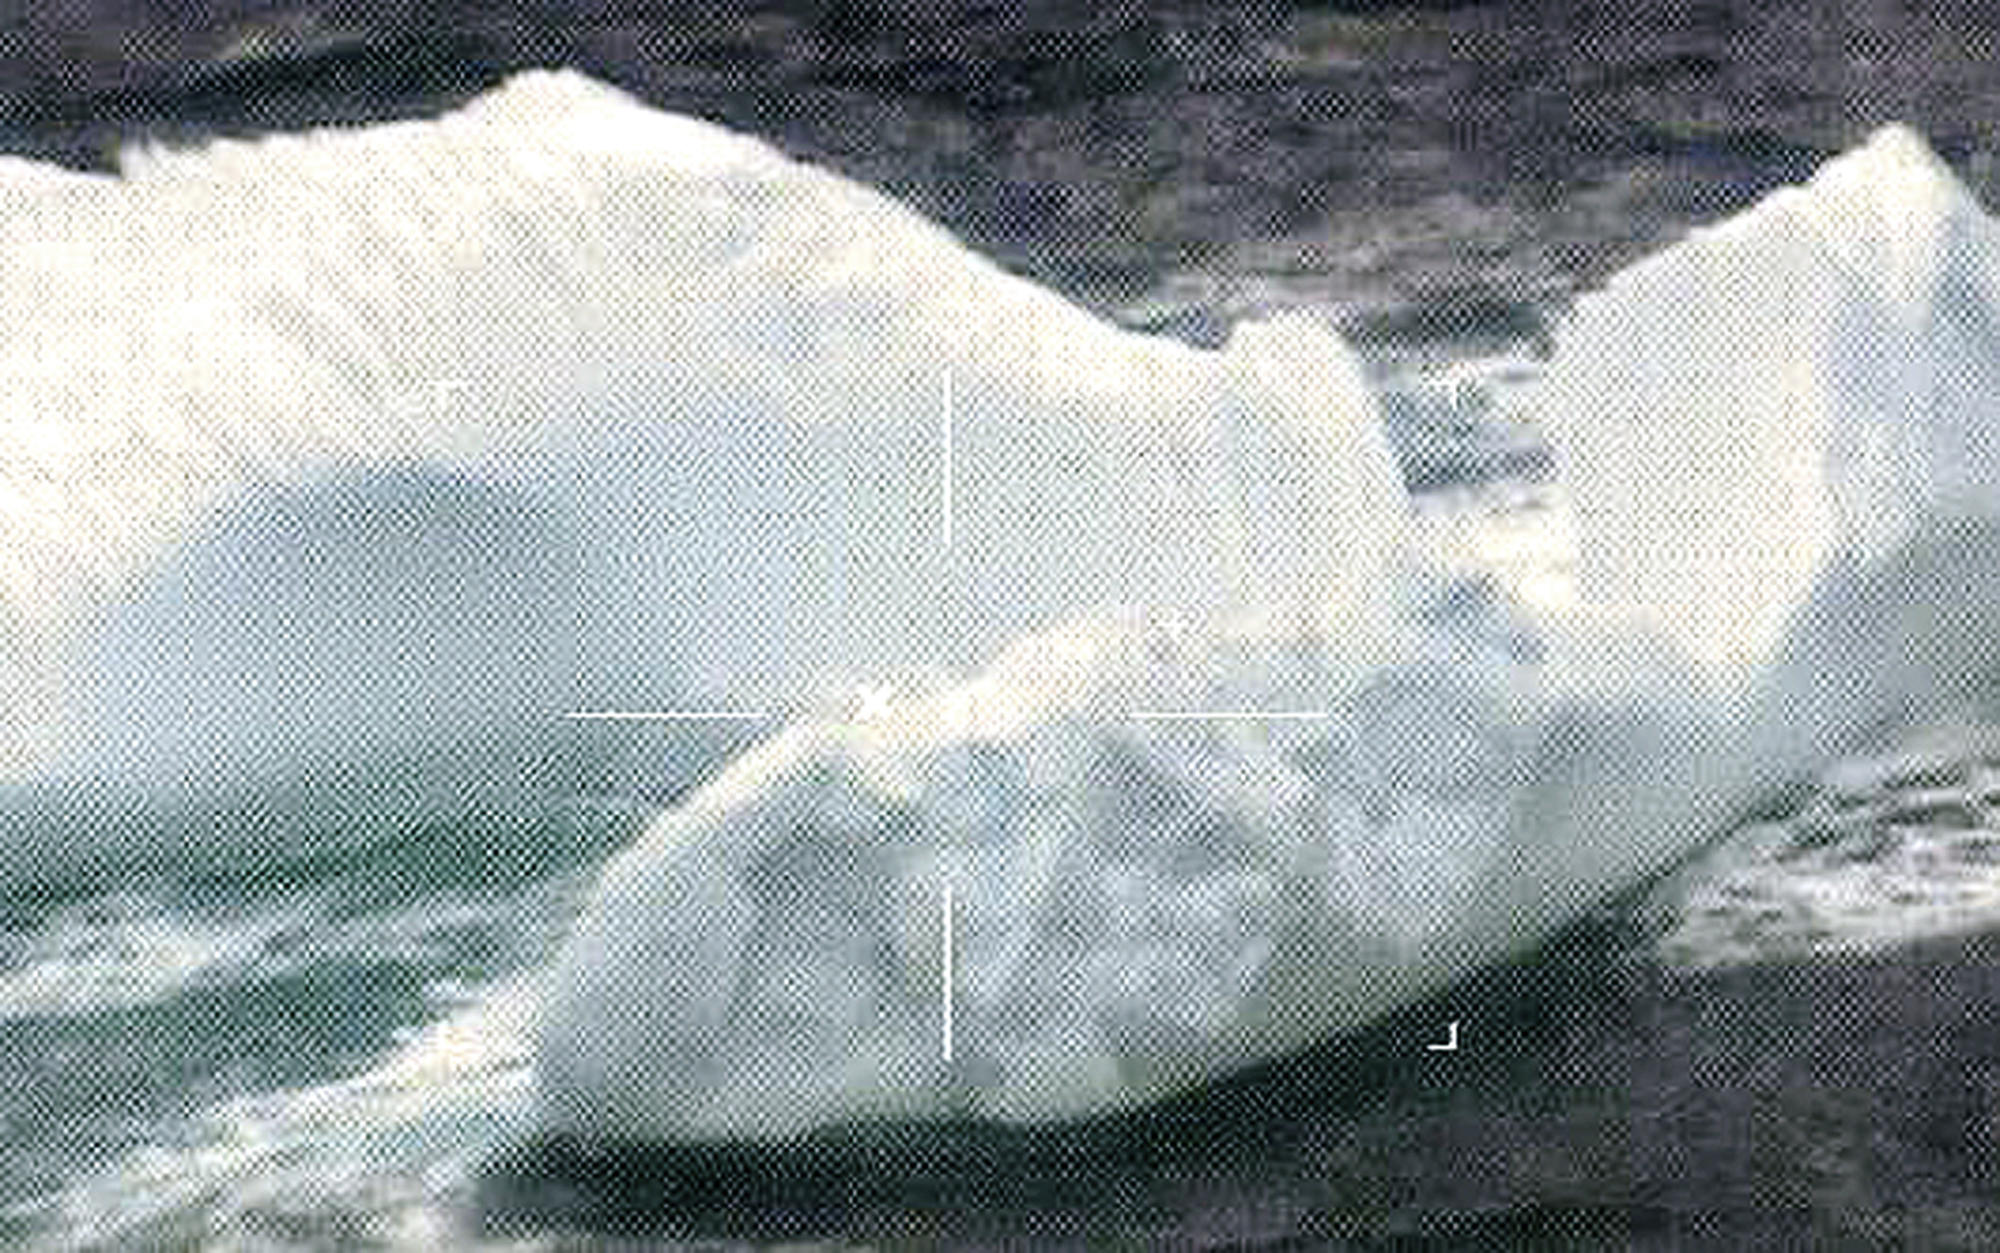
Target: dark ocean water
{"type": "Point", "coordinates": [130, 1012]}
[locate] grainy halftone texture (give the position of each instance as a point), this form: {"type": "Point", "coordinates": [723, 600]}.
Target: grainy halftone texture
{"type": "Point", "coordinates": [1437, 172]}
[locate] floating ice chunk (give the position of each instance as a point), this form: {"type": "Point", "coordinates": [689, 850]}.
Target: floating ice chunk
{"type": "Point", "coordinates": [1778, 438]}
{"type": "Point", "coordinates": [1143, 901]}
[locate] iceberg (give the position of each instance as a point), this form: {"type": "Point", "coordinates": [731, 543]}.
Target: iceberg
{"type": "Point", "coordinates": [1032, 897]}
{"type": "Point", "coordinates": [337, 469]}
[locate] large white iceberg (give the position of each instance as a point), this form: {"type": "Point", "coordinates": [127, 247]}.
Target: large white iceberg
{"type": "Point", "coordinates": [1778, 436]}
{"type": "Point", "coordinates": [336, 469]}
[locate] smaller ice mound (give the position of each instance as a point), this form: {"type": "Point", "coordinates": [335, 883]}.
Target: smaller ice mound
{"type": "Point", "coordinates": [1143, 901]}
{"type": "Point", "coordinates": [1778, 438]}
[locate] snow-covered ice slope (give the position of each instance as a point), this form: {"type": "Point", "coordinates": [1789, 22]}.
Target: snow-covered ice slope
{"type": "Point", "coordinates": [393, 445]}
{"type": "Point", "coordinates": [1779, 438]}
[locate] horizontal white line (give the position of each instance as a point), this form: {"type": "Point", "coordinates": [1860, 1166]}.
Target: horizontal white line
{"type": "Point", "coordinates": [749, 715]}
{"type": "Point", "coordinates": [1191, 715]}
{"type": "Point", "coordinates": [668, 715]}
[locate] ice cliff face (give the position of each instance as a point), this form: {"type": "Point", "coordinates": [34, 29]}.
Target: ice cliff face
{"type": "Point", "coordinates": [1779, 436]}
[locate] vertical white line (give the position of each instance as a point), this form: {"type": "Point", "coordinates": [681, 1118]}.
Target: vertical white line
{"type": "Point", "coordinates": [944, 520]}
{"type": "Point", "coordinates": [946, 977]}
{"type": "Point", "coordinates": [947, 462]}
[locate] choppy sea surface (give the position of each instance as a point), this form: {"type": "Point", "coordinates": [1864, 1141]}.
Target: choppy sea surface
{"type": "Point", "coordinates": [193, 1037]}
{"type": "Point", "coordinates": [1432, 173]}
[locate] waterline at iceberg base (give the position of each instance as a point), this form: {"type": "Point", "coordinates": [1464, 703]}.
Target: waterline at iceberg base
{"type": "Point", "coordinates": [1596, 1102]}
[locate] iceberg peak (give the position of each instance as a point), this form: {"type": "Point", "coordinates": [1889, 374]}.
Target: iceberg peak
{"type": "Point", "coordinates": [1896, 161]}
{"type": "Point", "coordinates": [1883, 210]}
{"type": "Point", "coordinates": [1809, 381]}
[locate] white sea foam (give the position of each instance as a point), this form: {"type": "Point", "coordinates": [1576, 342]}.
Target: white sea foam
{"type": "Point", "coordinates": [1893, 845]}
{"type": "Point", "coordinates": [120, 951]}
{"type": "Point", "coordinates": [383, 1159]}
